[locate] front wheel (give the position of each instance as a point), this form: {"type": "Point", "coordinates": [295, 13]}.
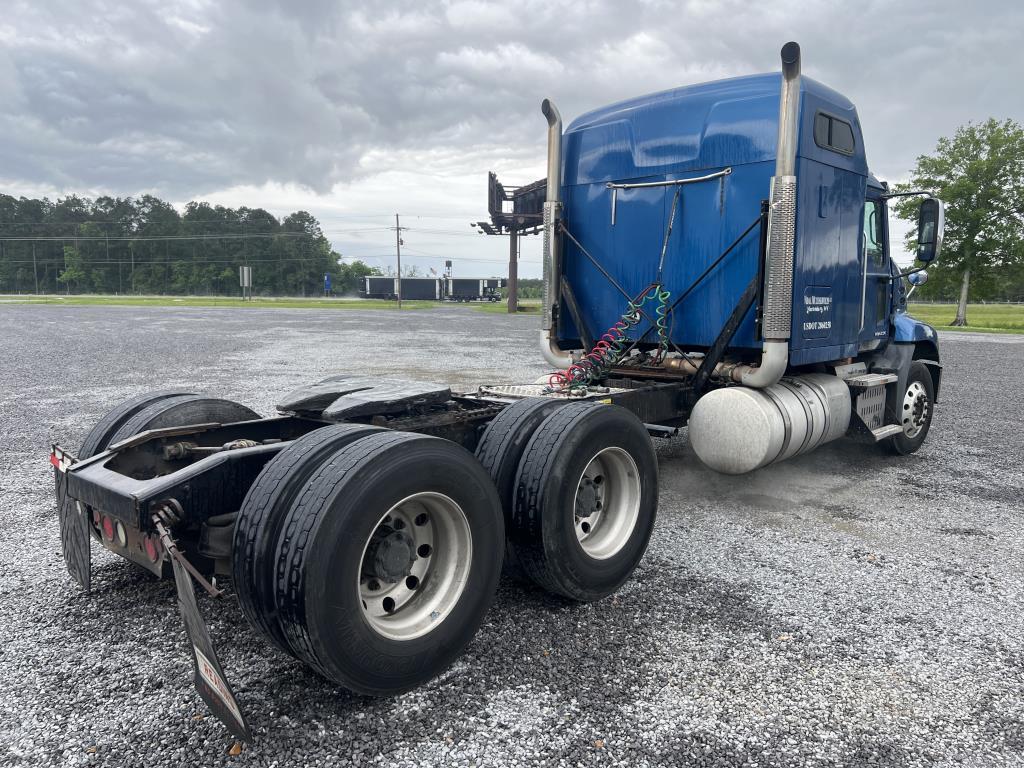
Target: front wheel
{"type": "Point", "coordinates": [914, 410]}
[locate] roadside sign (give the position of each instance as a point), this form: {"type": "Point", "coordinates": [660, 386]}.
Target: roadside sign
{"type": "Point", "coordinates": [245, 281]}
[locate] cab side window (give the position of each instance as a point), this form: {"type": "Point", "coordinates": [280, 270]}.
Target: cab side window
{"type": "Point", "coordinates": [873, 232]}
{"type": "Point", "coordinates": [834, 134]}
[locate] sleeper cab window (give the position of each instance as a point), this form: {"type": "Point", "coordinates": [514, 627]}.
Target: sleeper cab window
{"type": "Point", "coordinates": [833, 133]}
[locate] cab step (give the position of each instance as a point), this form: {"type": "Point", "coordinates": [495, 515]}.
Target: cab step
{"type": "Point", "coordinates": [868, 380]}
{"type": "Point", "coordinates": [889, 430]}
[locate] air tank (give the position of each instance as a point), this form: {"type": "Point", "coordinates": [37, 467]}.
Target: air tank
{"type": "Point", "coordinates": [738, 429]}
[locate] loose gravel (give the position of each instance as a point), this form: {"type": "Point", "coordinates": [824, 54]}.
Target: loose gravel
{"type": "Point", "coordinates": [844, 608]}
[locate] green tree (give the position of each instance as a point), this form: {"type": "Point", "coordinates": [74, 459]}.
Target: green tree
{"type": "Point", "coordinates": [979, 175]}
{"type": "Point", "coordinates": [73, 275]}
{"type": "Point", "coordinates": [350, 277]}
{"type": "Point", "coordinates": [144, 245]}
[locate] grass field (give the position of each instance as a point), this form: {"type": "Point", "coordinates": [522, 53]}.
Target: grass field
{"type": "Point", "coordinates": [985, 318]}
{"type": "Point", "coordinates": [216, 301]}
{"type": "Point", "coordinates": [499, 307]}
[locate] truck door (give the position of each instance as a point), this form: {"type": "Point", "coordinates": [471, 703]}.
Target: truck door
{"type": "Point", "coordinates": [876, 278]}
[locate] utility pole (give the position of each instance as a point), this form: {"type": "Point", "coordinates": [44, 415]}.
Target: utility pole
{"type": "Point", "coordinates": [398, 257]}
{"type": "Point", "coordinates": [35, 272]}
{"type": "Point", "coordinates": [513, 271]}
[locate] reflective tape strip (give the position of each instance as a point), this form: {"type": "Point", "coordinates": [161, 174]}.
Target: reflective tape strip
{"type": "Point", "coordinates": [60, 460]}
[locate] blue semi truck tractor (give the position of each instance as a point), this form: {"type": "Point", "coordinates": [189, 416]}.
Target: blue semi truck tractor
{"type": "Point", "coordinates": [715, 257]}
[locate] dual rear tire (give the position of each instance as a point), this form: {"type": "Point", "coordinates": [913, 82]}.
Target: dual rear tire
{"type": "Point", "coordinates": [153, 410]}
{"type": "Point", "coordinates": [579, 489]}
{"type": "Point", "coordinates": [369, 554]}
{"type": "Point", "coordinates": [373, 555]}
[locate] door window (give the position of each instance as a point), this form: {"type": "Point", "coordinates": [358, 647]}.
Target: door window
{"type": "Point", "coordinates": [873, 232]}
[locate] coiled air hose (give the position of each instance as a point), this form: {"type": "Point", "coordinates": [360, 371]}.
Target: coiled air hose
{"type": "Point", "coordinates": [609, 350]}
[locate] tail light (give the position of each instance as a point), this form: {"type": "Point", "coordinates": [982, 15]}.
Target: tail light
{"type": "Point", "coordinates": [152, 547]}
{"type": "Point", "coordinates": [108, 527]}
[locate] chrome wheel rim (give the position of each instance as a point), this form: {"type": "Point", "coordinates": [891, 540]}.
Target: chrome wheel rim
{"type": "Point", "coordinates": [415, 565]}
{"type": "Point", "coordinates": [915, 409]}
{"type": "Point", "coordinates": [606, 505]}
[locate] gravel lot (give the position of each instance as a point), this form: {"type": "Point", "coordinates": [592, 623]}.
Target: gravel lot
{"type": "Point", "coordinates": [844, 608]}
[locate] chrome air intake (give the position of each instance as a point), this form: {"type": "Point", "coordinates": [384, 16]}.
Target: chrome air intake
{"type": "Point", "coordinates": [778, 283]}
{"type": "Point", "coordinates": [778, 288]}
{"type": "Point", "coordinates": [778, 280]}
{"type": "Point", "coordinates": [552, 253]}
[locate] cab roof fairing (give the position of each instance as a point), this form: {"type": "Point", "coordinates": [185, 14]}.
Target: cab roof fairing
{"type": "Point", "coordinates": [699, 128]}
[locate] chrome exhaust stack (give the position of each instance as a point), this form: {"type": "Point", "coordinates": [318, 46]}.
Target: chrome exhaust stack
{"type": "Point", "coordinates": [778, 282]}
{"type": "Point", "coordinates": [552, 249]}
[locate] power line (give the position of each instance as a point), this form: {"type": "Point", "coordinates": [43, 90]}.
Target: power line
{"type": "Point", "coordinates": [239, 223]}
{"type": "Point", "coordinates": [176, 260]}
{"type": "Point", "coordinates": [232, 235]}
{"type": "Point", "coordinates": [161, 238]}
{"type": "Point", "coordinates": [422, 254]}
{"type": "Point", "coordinates": [149, 238]}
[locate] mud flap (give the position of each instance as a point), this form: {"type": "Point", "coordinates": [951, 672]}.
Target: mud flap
{"type": "Point", "coordinates": [210, 682]}
{"type": "Point", "coordinates": [74, 522]}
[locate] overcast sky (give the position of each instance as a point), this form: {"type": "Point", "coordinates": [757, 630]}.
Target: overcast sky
{"type": "Point", "coordinates": [355, 110]}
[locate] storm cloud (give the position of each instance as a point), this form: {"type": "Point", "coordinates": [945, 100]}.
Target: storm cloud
{"type": "Point", "coordinates": [188, 98]}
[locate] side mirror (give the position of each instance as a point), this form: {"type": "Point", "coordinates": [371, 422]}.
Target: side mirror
{"type": "Point", "coordinates": [930, 221]}
{"type": "Point", "coordinates": [917, 278]}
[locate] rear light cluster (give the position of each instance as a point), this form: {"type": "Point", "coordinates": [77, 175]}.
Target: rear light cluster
{"type": "Point", "coordinates": [107, 524]}
{"type": "Point", "coordinates": [152, 547]}
{"type": "Point", "coordinates": [114, 532]}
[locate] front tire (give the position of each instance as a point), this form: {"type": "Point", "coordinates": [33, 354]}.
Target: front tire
{"type": "Point", "coordinates": [586, 499]}
{"type": "Point", "coordinates": [914, 410]}
{"type": "Point", "coordinates": [388, 561]}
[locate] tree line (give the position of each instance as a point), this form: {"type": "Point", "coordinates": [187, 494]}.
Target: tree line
{"type": "Point", "coordinates": [144, 245]}
{"type": "Point", "coordinates": [979, 173]}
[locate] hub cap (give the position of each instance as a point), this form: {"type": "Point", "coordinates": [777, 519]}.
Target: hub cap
{"type": "Point", "coordinates": [915, 409]}
{"type": "Point", "coordinates": [607, 503]}
{"type": "Point", "coordinates": [415, 565]}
